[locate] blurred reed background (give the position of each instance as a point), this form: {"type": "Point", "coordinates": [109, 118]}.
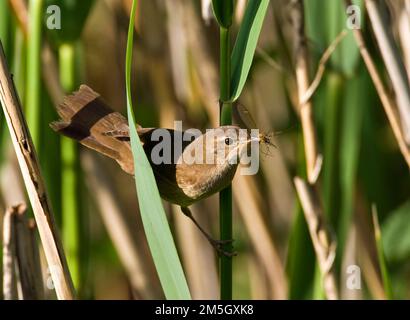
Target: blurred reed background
{"type": "Point", "coordinates": [341, 133]}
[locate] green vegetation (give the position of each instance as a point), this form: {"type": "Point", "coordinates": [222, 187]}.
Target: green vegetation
{"type": "Point", "coordinates": [183, 65]}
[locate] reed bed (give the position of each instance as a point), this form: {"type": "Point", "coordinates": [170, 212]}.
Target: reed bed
{"type": "Point", "coordinates": [327, 216]}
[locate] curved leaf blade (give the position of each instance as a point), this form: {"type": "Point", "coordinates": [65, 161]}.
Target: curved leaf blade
{"type": "Point", "coordinates": [155, 223]}
{"type": "Point", "coordinates": [245, 45]}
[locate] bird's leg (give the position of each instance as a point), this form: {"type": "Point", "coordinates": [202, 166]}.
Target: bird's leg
{"type": "Point", "coordinates": [217, 244]}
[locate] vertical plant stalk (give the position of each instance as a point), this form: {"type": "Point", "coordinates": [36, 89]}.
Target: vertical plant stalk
{"type": "Point", "coordinates": [325, 247]}
{"type": "Point", "coordinates": [264, 247]}
{"type": "Point", "coordinates": [38, 279]}
{"type": "Point", "coordinates": [120, 231]}
{"type": "Point", "coordinates": [404, 30]}
{"type": "Point", "coordinates": [389, 107]}
{"type": "Point", "coordinates": [225, 196]}
{"type": "Point", "coordinates": [20, 11]}
{"type": "Point", "coordinates": [313, 159]}
{"type": "Point", "coordinates": [50, 74]}
{"type": "Point", "coordinates": [34, 70]}
{"type": "Point", "coordinates": [380, 254]}
{"type": "Point", "coordinates": [157, 231]}
{"type": "Point", "coordinates": [70, 172]}
{"type": "Point", "coordinates": [30, 274]}
{"type": "Point", "coordinates": [394, 64]}
{"type": "Point", "coordinates": [203, 60]}
{"type": "Point", "coordinates": [5, 25]}
{"type": "Point", "coordinates": [331, 148]}
{"type": "Point", "coordinates": [366, 255]}
{"type": "Point", "coordinates": [30, 168]}
{"type": "Point", "coordinates": [9, 255]}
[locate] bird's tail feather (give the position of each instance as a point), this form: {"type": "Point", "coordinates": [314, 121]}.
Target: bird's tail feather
{"type": "Point", "coordinates": [86, 118]}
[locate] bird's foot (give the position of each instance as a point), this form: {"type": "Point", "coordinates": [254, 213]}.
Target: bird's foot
{"type": "Point", "coordinates": [219, 246]}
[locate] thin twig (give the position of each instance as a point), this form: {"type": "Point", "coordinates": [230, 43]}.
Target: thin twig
{"type": "Point", "coordinates": [322, 67]}
{"type": "Point", "coordinates": [302, 78]}
{"type": "Point", "coordinates": [9, 255]}
{"type": "Point", "coordinates": [394, 64]}
{"type": "Point", "coordinates": [388, 105]}
{"type": "Point", "coordinates": [403, 25]}
{"type": "Point", "coordinates": [33, 180]}
{"type": "Point", "coordinates": [269, 60]}
{"type": "Point", "coordinates": [323, 243]}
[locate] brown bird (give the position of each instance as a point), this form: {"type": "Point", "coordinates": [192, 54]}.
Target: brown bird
{"type": "Point", "coordinates": [86, 118]}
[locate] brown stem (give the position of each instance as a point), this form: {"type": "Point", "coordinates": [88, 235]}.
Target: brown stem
{"type": "Point", "coordinates": [33, 180]}
{"type": "Point", "coordinates": [388, 105]}
{"type": "Point", "coordinates": [30, 274]}
{"type": "Point", "coordinates": [302, 78]}
{"type": "Point", "coordinates": [394, 64]}
{"type": "Point", "coordinates": [325, 247]}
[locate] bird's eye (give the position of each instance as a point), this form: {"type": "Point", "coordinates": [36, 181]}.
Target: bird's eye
{"type": "Point", "coordinates": [228, 141]}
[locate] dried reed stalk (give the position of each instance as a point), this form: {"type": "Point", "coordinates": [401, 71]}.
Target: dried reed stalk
{"type": "Point", "coordinates": [196, 253]}
{"type": "Point", "coordinates": [367, 252]}
{"type": "Point", "coordinates": [205, 65]}
{"type": "Point", "coordinates": [388, 105]}
{"type": "Point", "coordinates": [322, 66]}
{"type": "Point", "coordinates": [30, 273]}
{"type": "Point", "coordinates": [401, 14]}
{"type": "Point", "coordinates": [313, 159]}
{"type": "Point", "coordinates": [394, 64]}
{"type": "Point", "coordinates": [50, 74]}
{"type": "Point", "coordinates": [262, 242]}
{"type": "Point", "coordinates": [325, 247]}
{"type": "Point", "coordinates": [33, 180]}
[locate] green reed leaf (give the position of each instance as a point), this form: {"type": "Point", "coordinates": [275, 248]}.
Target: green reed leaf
{"type": "Point", "coordinates": [245, 45]}
{"type": "Point", "coordinates": [155, 223]}
{"type": "Point", "coordinates": [223, 12]}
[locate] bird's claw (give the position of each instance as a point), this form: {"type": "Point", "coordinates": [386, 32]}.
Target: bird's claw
{"type": "Point", "coordinates": [219, 247]}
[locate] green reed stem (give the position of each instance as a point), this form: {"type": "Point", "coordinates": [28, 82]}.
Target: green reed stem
{"type": "Point", "coordinates": [70, 172]}
{"type": "Point", "coordinates": [4, 37]}
{"type": "Point", "coordinates": [19, 66]}
{"type": "Point", "coordinates": [34, 71]}
{"type": "Point", "coordinates": [225, 196]}
{"type": "Point", "coordinates": [5, 25]}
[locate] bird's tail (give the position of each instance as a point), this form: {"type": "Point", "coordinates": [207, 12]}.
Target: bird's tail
{"type": "Point", "coordinates": [86, 118]}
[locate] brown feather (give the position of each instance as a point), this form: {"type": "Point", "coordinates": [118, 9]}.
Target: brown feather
{"type": "Point", "coordinates": [87, 119]}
